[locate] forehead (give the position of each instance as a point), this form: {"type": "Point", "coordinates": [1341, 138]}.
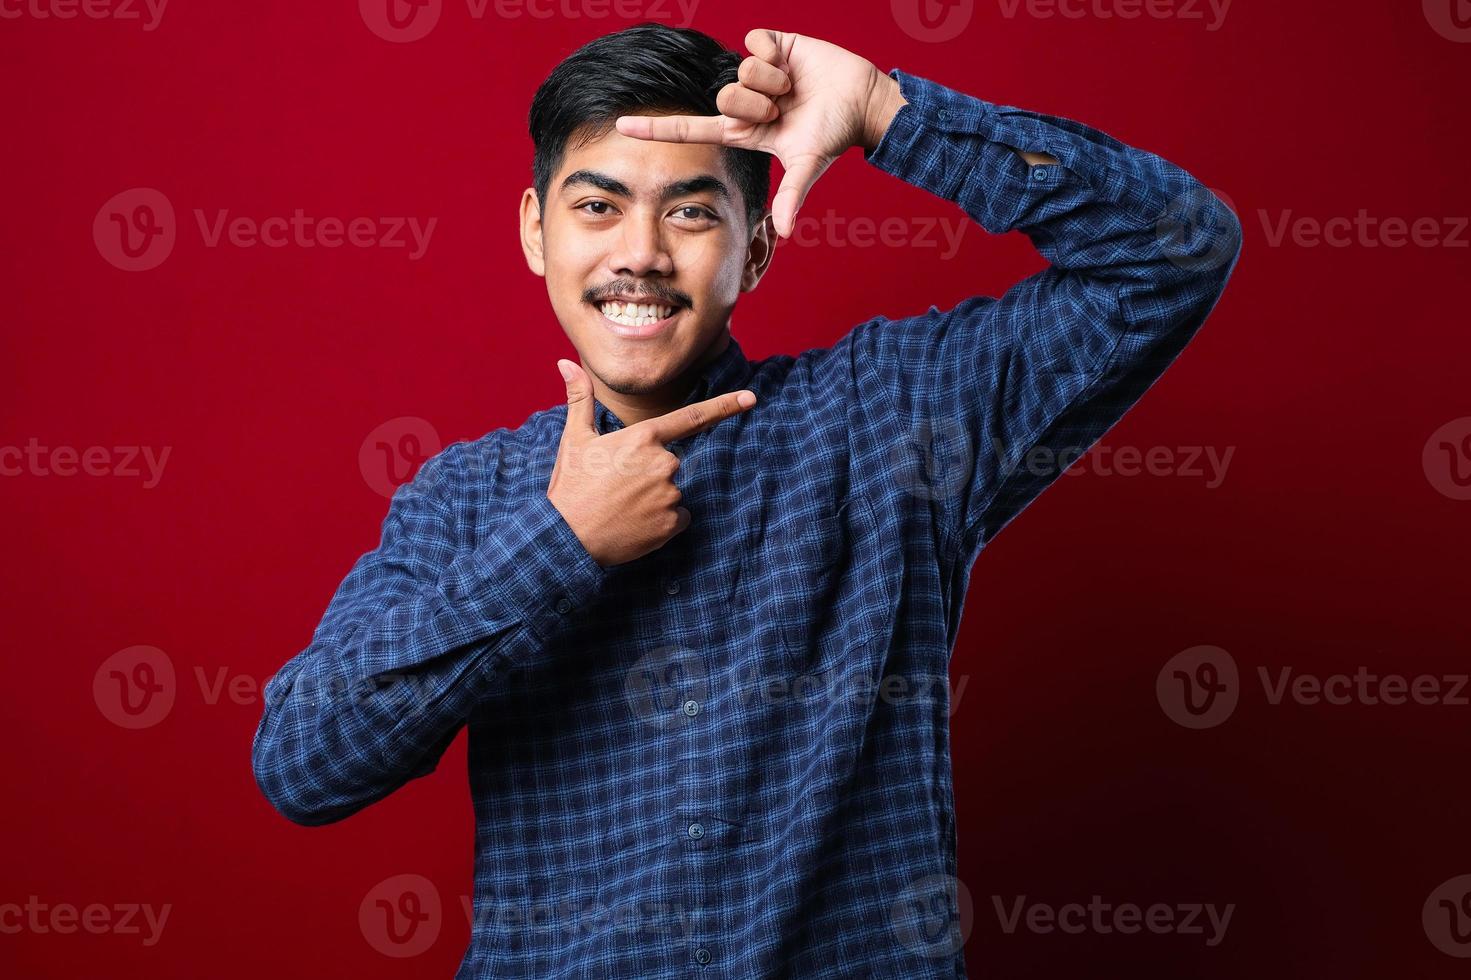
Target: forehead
{"type": "Point", "coordinates": [644, 166]}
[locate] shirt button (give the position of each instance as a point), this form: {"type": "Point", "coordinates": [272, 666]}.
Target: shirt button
{"type": "Point", "coordinates": [564, 606]}
{"type": "Point", "coordinates": [697, 831]}
{"type": "Point", "coordinates": [1039, 174]}
{"type": "Point", "coordinates": [671, 586]}
{"type": "Point", "coordinates": [702, 956]}
{"type": "Point", "coordinates": [692, 708]}
{"type": "Point", "coordinates": [944, 113]}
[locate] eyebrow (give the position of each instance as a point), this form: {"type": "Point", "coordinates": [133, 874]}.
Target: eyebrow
{"type": "Point", "coordinates": [675, 188]}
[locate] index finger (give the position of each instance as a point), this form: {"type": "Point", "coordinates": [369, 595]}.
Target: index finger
{"type": "Point", "coordinates": [689, 419]}
{"type": "Point", "coordinates": [674, 129]}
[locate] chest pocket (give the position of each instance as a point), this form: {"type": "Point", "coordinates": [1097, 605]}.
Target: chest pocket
{"type": "Point", "coordinates": [814, 587]}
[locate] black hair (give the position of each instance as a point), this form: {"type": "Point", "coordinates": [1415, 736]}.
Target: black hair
{"type": "Point", "coordinates": [644, 67]}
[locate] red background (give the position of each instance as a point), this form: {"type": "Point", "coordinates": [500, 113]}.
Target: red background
{"type": "Point", "coordinates": [1326, 547]}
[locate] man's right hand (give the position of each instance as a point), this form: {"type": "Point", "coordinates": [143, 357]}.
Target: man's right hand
{"type": "Point", "coordinates": [616, 491]}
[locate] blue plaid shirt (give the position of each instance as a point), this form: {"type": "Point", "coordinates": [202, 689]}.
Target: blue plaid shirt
{"type": "Point", "coordinates": [730, 757]}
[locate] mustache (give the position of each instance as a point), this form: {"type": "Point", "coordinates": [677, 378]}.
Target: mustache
{"type": "Point", "coordinates": [641, 293]}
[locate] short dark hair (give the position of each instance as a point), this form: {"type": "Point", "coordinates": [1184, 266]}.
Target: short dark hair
{"type": "Point", "coordinates": [644, 67]}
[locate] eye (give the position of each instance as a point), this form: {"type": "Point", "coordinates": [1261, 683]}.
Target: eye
{"type": "Point", "coordinates": [695, 212]}
{"type": "Point", "coordinates": [594, 204]}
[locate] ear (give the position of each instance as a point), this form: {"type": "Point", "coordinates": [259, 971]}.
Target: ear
{"type": "Point", "coordinates": [760, 253]}
{"type": "Point", "coordinates": [531, 231]}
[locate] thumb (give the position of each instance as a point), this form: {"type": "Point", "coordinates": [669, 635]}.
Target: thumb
{"type": "Point", "coordinates": [579, 399]}
{"type": "Point", "coordinates": [796, 181]}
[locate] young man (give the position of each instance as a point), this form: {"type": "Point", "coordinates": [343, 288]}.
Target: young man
{"type": "Point", "coordinates": [700, 639]}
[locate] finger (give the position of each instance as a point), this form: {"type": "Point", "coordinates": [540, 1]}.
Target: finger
{"type": "Point", "coordinates": [795, 183]}
{"type": "Point", "coordinates": [688, 420]}
{"type": "Point", "coordinates": [764, 77]}
{"type": "Point", "coordinates": [770, 46]}
{"type": "Point", "coordinates": [675, 129]}
{"type": "Point", "coordinates": [739, 102]}
{"type": "Point", "coordinates": [580, 420]}
{"type": "Point", "coordinates": [684, 520]}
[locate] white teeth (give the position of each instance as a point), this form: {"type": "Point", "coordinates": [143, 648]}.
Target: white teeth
{"type": "Point", "coordinates": [635, 314]}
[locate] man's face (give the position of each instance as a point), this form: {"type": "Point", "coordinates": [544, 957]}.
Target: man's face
{"type": "Point", "coordinates": [649, 223]}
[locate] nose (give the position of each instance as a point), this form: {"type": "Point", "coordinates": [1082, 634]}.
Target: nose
{"type": "Point", "coordinates": [641, 249]}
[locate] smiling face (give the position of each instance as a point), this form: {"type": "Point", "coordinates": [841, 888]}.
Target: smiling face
{"type": "Point", "coordinates": [631, 221]}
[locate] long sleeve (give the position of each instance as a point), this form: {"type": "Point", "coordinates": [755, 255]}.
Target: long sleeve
{"type": "Point", "coordinates": [995, 397]}
{"type": "Point", "coordinates": [415, 635]}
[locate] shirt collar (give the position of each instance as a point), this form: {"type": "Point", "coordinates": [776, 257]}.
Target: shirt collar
{"type": "Point", "coordinates": [727, 372]}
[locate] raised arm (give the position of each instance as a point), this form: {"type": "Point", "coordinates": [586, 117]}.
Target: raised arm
{"type": "Point", "coordinates": [997, 396]}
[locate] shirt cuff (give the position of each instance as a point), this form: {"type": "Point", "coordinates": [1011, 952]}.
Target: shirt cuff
{"type": "Point", "coordinates": [963, 149]}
